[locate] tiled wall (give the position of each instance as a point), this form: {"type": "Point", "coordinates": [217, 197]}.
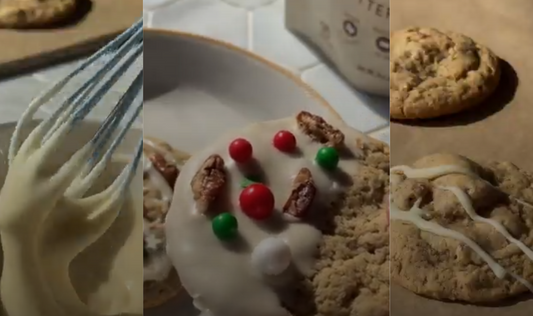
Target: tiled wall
{"type": "Point", "coordinates": [256, 25]}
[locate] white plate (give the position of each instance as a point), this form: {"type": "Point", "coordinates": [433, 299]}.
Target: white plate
{"type": "Point", "coordinates": [197, 88]}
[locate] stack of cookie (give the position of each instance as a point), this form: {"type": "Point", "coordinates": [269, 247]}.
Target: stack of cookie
{"type": "Point", "coordinates": [162, 165]}
{"type": "Point", "coordinates": [435, 73]}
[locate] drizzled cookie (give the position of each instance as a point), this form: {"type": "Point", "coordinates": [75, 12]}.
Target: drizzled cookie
{"type": "Point", "coordinates": [161, 169]}
{"type": "Point", "coordinates": [462, 231]}
{"type": "Point", "coordinates": [289, 213]}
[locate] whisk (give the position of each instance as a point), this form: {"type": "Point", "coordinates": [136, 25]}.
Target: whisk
{"type": "Point", "coordinates": [70, 184]}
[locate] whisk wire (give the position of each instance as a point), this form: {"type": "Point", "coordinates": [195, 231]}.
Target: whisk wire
{"type": "Point", "coordinates": [80, 103]}
{"type": "Point", "coordinates": [46, 96]}
{"type": "Point", "coordinates": [96, 166]}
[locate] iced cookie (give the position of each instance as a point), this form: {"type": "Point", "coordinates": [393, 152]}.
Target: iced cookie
{"type": "Point", "coordinates": [435, 73]}
{"type": "Point", "coordinates": [461, 231]}
{"type": "Point", "coordinates": [35, 13]}
{"type": "Point", "coordinates": [284, 217]}
{"type": "Point", "coordinates": [162, 165]}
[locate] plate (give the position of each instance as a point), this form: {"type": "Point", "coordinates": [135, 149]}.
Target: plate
{"type": "Point", "coordinates": [197, 88]}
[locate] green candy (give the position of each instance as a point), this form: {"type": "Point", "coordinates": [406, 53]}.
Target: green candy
{"type": "Point", "coordinates": [327, 158]}
{"type": "Point", "coordinates": [246, 182]}
{"type": "Point", "coordinates": [225, 226]}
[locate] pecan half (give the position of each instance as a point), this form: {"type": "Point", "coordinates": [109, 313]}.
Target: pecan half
{"type": "Point", "coordinates": [319, 130]}
{"type": "Point", "coordinates": [208, 182]}
{"type": "Point", "coordinates": [169, 171]}
{"type": "Point", "coordinates": [302, 195]}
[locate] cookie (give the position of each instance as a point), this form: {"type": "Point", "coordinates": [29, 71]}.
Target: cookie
{"type": "Point", "coordinates": [290, 213]}
{"type": "Point", "coordinates": [461, 231]}
{"type": "Point", "coordinates": [162, 164]}
{"type": "Point", "coordinates": [436, 73]}
{"type": "Point", "coordinates": [17, 14]}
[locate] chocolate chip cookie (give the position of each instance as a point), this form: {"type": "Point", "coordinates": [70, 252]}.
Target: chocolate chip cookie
{"type": "Point", "coordinates": [436, 73]}
{"type": "Point", "coordinates": [462, 231]}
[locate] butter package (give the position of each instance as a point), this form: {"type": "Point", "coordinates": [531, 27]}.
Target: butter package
{"type": "Point", "coordinates": [351, 34]}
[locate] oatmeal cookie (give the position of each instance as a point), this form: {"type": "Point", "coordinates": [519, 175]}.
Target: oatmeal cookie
{"type": "Point", "coordinates": [17, 14]}
{"type": "Point", "coordinates": [300, 226]}
{"type": "Point", "coordinates": [162, 164]}
{"type": "Point", "coordinates": [436, 73]}
{"type": "Point", "coordinates": [462, 231]}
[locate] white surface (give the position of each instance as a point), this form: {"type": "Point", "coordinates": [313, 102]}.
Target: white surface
{"type": "Point", "coordinates": [200, 91]}
{"type": "Point", "coordinates": [254, 24]}
{"type": "Point", "coordinates": [17, 93]}
{"type": "Point", "coordinates": [258, 25]}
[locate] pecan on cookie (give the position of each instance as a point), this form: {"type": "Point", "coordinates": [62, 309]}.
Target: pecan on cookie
{"type": "Point", "coordinates": [208, 182]}
{"type": "Point", "coordinates": [302, 195]}
{"type": "Point", "coordinates": [319, 130]}
{"type": "Point", "coordinates": [169, 171]}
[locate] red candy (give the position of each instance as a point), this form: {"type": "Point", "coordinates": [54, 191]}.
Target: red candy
{"type": "Point", "coordinates": [284, 141]}
{"type": "Point", "coordinates": [240, 150]}
{"type": "Point", "coordinates": [257, 201]}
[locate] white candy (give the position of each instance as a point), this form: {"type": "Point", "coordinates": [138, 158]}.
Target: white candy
{"type": "Point", "coordinates": [272, 256]}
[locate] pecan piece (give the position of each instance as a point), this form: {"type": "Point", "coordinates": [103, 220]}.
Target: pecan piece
{"type": "Point", "coordinates": [319, 130]}
{"type": "Point", "coordinates": [302, 195]}
{"type": "Point", "coordinates": [167, 170]}
{"type": "Point", "coordinates": [208, 182]}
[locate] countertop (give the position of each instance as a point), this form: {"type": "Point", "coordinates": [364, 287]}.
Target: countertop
{"type": "Point", "coordinates": [256, 25]}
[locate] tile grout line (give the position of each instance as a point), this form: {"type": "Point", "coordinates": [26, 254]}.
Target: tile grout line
{"type": "Point", "coordinates": [378, 130]}
{"type": "Point", "coordinates": [160, 6]}
{"type": "Point", "coordinates": [311, 66]}
{"type": "Point", "coordinates": [250, 30]}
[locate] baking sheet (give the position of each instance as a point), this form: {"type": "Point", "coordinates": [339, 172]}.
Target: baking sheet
{"type": "Point", "coordinates": [24, 50]}
{"type": "Point", "coordinates": [499, 129]}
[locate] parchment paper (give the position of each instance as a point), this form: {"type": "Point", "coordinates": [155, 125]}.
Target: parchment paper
{"type": "Point", "coordinates": [500, 129]}
{"type": "Point", "coordinates": [24, 50]}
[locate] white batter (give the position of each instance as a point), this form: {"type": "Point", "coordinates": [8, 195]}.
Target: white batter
{"type": "Point", "coordinates": [43, 232]}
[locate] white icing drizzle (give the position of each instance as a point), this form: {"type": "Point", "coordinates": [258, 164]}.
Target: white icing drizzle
{"type": "Point", "coordinates": [433, 172]}
{"type": "Point", "coordinates": [152, 242]}
{"type": "Point", "coordinates": [523, 203]}
{"type": "Point", "coordinates": [159, 181]}
{"type": "Point", "coordinates": [414, 216]}
{"type": "Point", "coordinates": [168, 157]}
{"type": "Point", "coordinates": [466, 203]}
{"type": "Point", "coordinates": [158, 265]}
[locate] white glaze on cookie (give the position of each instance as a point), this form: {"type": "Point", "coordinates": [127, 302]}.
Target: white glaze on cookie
{"type": "Point", "coordinates": [415, 215]}
{"type": "Point", "coordinates": [220, 275]}
{"type": "Point", "coordinates": [157, 266]}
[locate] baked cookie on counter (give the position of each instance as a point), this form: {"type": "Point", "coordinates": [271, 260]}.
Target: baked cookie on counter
{"type": "Point", "coordinates": [17, 14]}
{"type": "Point", "coordinates": [461, 231]}
{"type": "Point", "coordinates": [435, 73]}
